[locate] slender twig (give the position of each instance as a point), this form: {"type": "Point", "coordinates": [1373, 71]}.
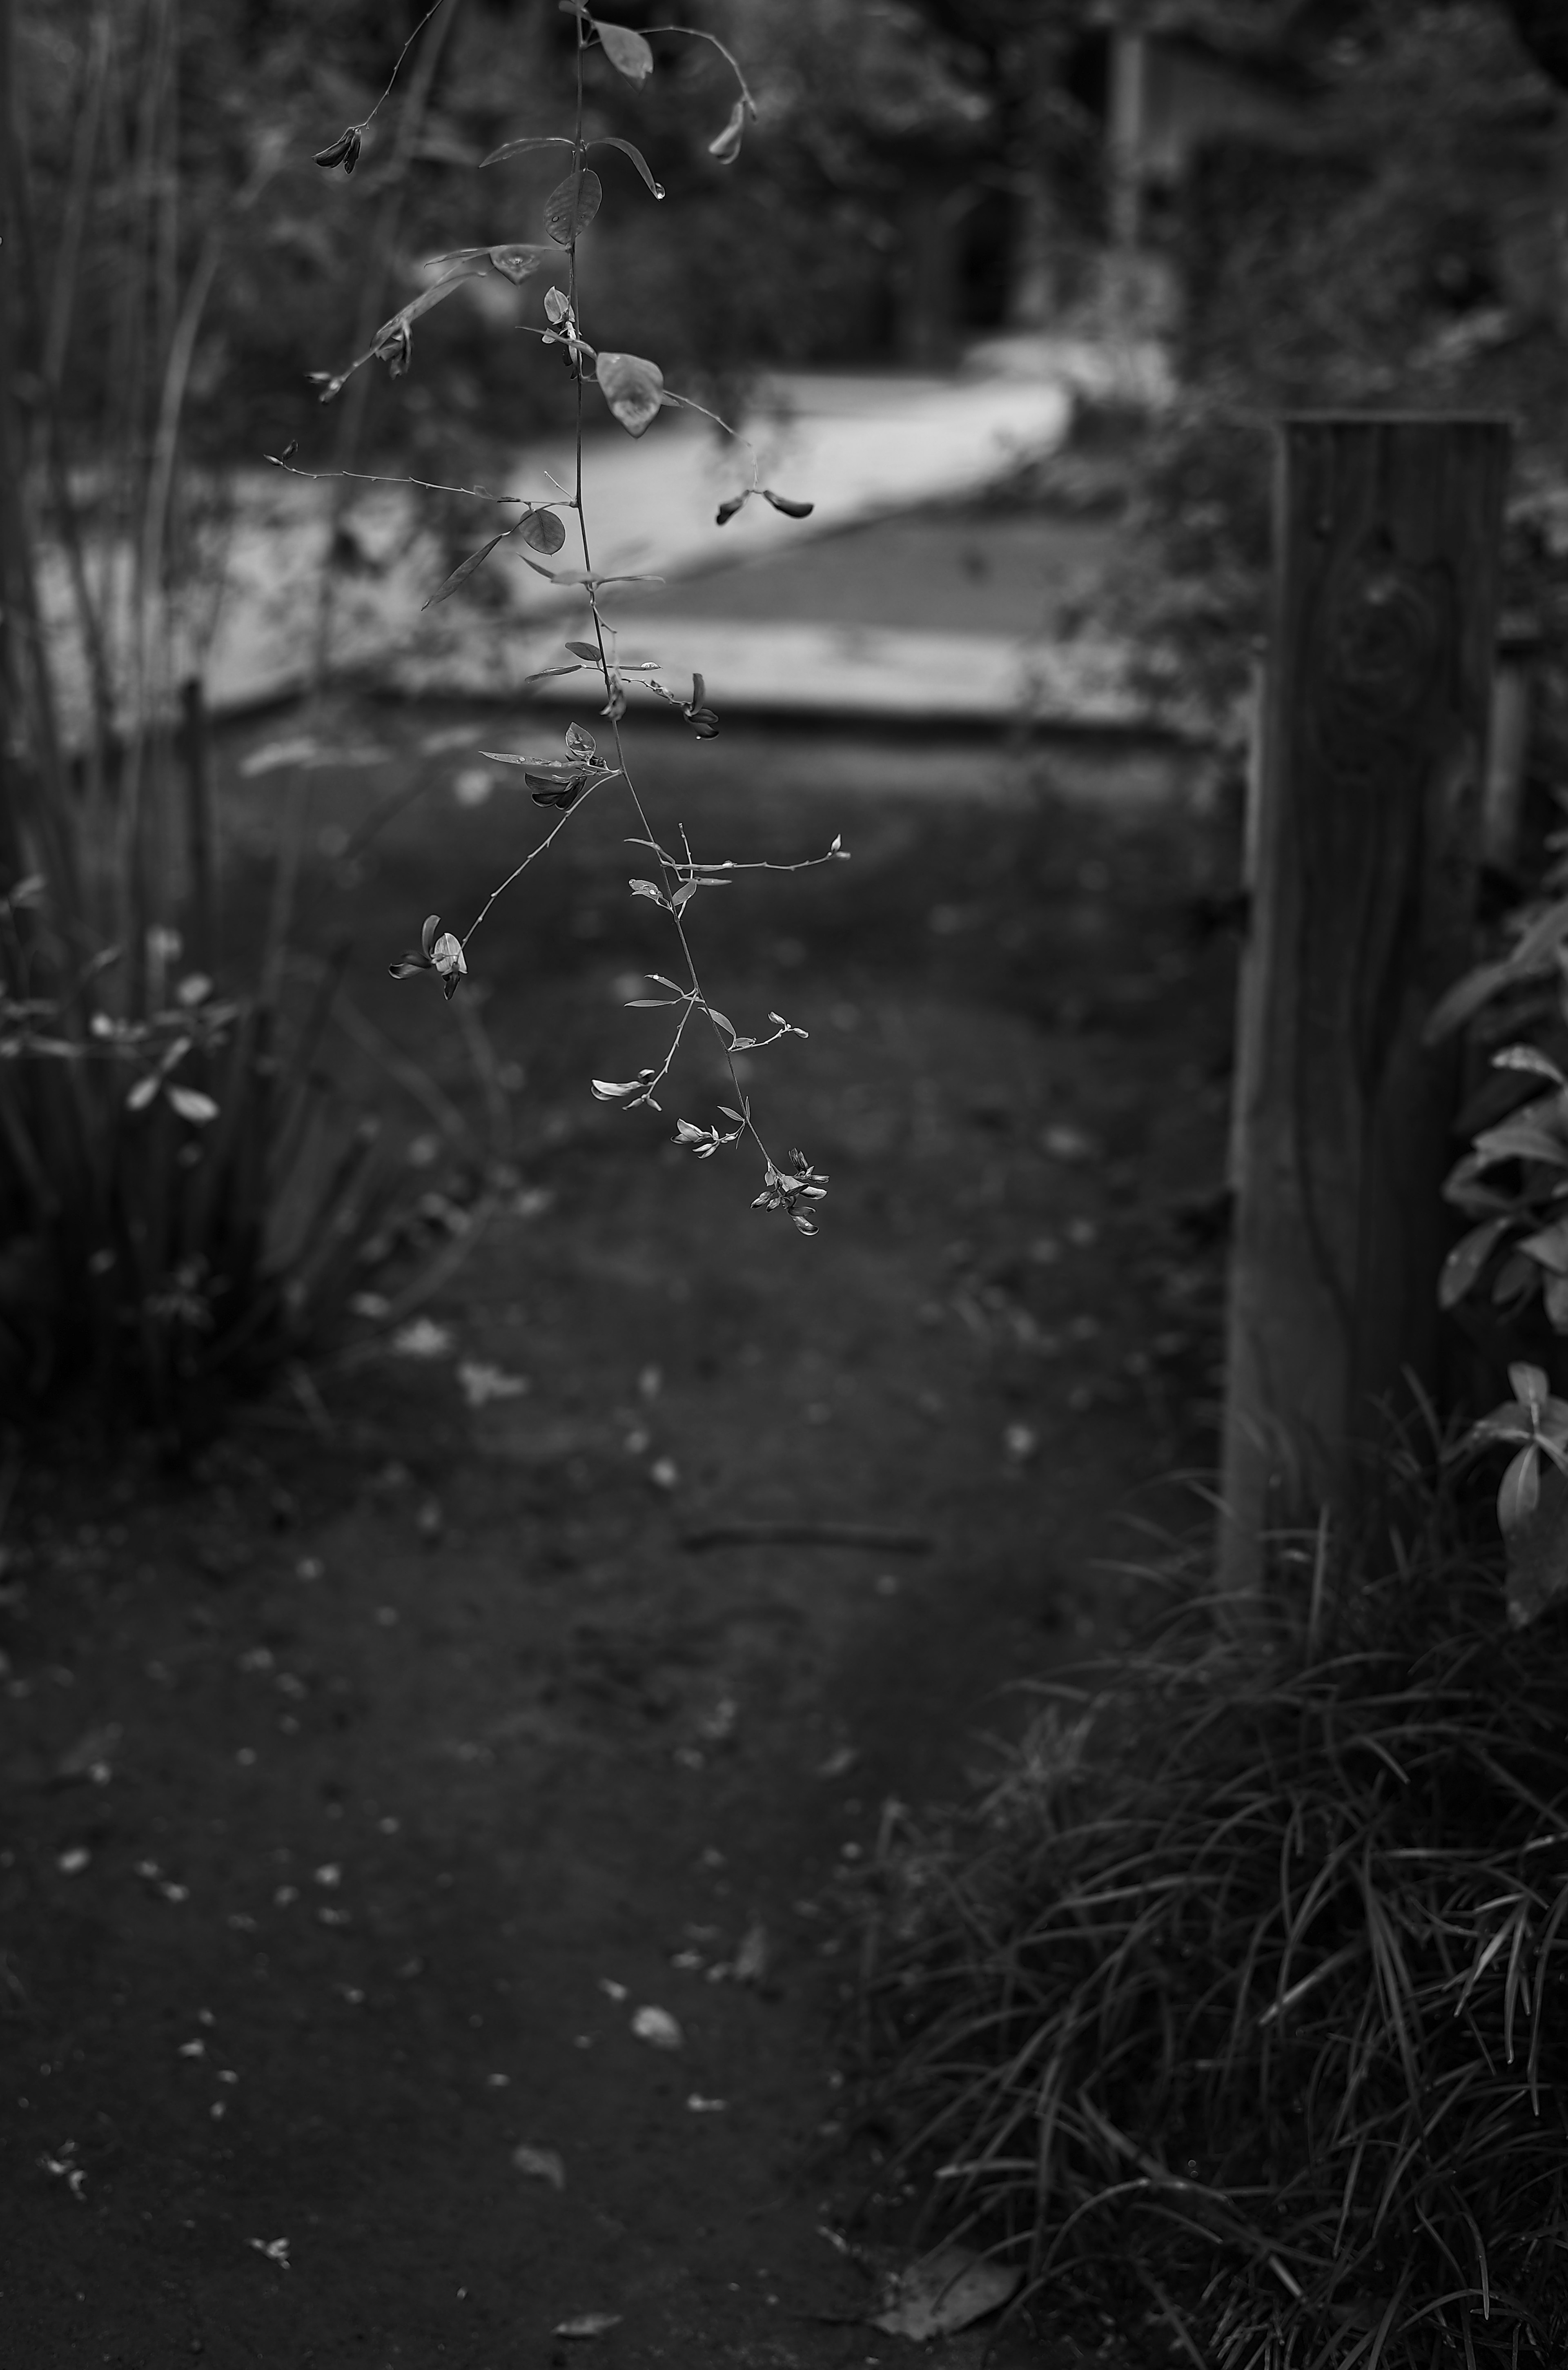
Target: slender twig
{"type": "Point", "coordinates": [402, 53]}
{"type": "Point", "coordinates": [695, 33]}
{"type": "Point", "coordinates": [420, 485]}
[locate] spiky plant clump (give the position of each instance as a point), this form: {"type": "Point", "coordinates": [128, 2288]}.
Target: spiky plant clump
{"type": "Point", "coordinates": [1244, 1987]}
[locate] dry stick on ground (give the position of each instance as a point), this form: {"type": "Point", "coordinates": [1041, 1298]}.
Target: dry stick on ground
{"type": "Point", "coordinates": [807, 1534]}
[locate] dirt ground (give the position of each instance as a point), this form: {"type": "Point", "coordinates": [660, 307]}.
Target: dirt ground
{"type": "Point", "coordinates": [364, 1782]}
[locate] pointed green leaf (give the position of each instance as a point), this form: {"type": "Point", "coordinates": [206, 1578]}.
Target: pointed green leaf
{"type": "Point", "coordinates": [1529, 1057]}
{"type": "Point", "coordinates": [466, 568]}
{"type": "Point", "coordinates": [524, 147]}
{"type": "Point", "coordinates": [611, 140]}
{"type": "Point", "coordinates": [1465, 1261]}
{"type": "Point", "coordinates": [1520, 1492]}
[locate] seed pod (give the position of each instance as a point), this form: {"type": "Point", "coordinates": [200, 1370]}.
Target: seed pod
{"type": "Point", "coordinates": [344, 151]}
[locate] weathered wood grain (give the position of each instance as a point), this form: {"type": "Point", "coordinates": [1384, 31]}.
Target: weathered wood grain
{"type": "Point", "coordinates": [1363, 844]}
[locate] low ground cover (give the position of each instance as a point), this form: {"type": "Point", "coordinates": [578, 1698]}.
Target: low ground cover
{"type": "Point", "coordinates": [1239, 1988]}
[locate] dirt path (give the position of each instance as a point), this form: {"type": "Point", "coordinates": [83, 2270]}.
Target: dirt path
{"type": "Point", "coordinates": [438, 1742]}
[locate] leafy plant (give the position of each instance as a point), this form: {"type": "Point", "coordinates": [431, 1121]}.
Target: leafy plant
{"type": "Point", "coordinates": [634, 391]}
{"type": "Point", "coordinates": [1507, 1278]}
{"type": "Point", "coordinates": [182, 1207]}
{"type": "Point", "coordinates": [1241, 1994]}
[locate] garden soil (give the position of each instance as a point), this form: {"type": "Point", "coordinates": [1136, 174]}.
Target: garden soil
{"type": "Point", "coordinates": [555, 1658]}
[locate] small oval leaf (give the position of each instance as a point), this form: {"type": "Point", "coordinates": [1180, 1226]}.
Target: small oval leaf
{"type": "Point", "coordinates": [572, 205]}
{"type": "Point", "coordinates": [199, 1108]}
{"type": "Point", "coordinates": [633, 389]}
{"type": "Point", "coordinates": [627, 51]}
{"type": "Point", "coordinates": [783, 502]}
{"type": "Point", "coordinates": [543, 531]}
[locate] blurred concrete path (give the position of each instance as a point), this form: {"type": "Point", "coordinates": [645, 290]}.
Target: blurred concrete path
{"type": "Point", "coordinates": [735, 605]}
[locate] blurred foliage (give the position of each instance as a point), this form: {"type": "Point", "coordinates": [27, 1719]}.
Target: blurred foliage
{"type": "Point", "coordinates": [1403, 251]}
{"type": "Point", "coordinates": [788, 260]}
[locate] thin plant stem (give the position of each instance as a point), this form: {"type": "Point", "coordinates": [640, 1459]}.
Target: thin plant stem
{"type": "Point", "coordinates": [669, 870]}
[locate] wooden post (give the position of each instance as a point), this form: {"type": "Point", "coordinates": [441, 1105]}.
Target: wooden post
{"type": "Point", "coordinates": [1364, 848]}
{"type": "Point", "coordinates": [1129, 100]}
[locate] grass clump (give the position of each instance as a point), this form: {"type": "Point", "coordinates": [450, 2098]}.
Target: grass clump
{"type": "Point", "coordinates": [1241, 1993]}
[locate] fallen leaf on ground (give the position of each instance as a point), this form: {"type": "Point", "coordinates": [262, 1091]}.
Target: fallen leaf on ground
{"type": "Point", "coordinates": [587, 2324]}
{"type": "Point", "coordinates": [658, 2028]}
{"type": "Point", "coordinates": [751, 1958]}
{"type": "Point", "coordinates": [1067, 1142]}
{"type": "Point", "coordinates": [481, 1382]}
{"type": "Point", "coordinates": [422, 1338]}
{"type": "Point", "coordinates": [944, 2292]}
{"type": "Point", "coordinates": [91, 1756]}
{"type": "Point", "coordinates": [540, 2164]}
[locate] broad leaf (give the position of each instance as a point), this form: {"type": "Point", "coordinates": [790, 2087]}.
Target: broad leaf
{"type": "Point", "coordinates": [1532, 957]}
{"type": "Point", "coordinates": [613, 140]}
{"type": "Point", "coordinates": [466, 568]}
{"type": "Point", "coordinates": [583, 651]}
{"type": "Point", "coordinates": [627, 51]}
{"type": "Point", "coordinates": [1467, 1258]}
{"type": "Point", "coordinates": [1538, 1554]}
{"type": "Point", "coordinates": [1522, 1139]}
{"type": "Point", "coordinates": [633, 389]}
{"type": "Point", "coordinates": [1529, 1057]}
{"type": "Point", "coordinates": [572, 205]}
{"type": "Point", "coordinates": [1549, 1248]}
